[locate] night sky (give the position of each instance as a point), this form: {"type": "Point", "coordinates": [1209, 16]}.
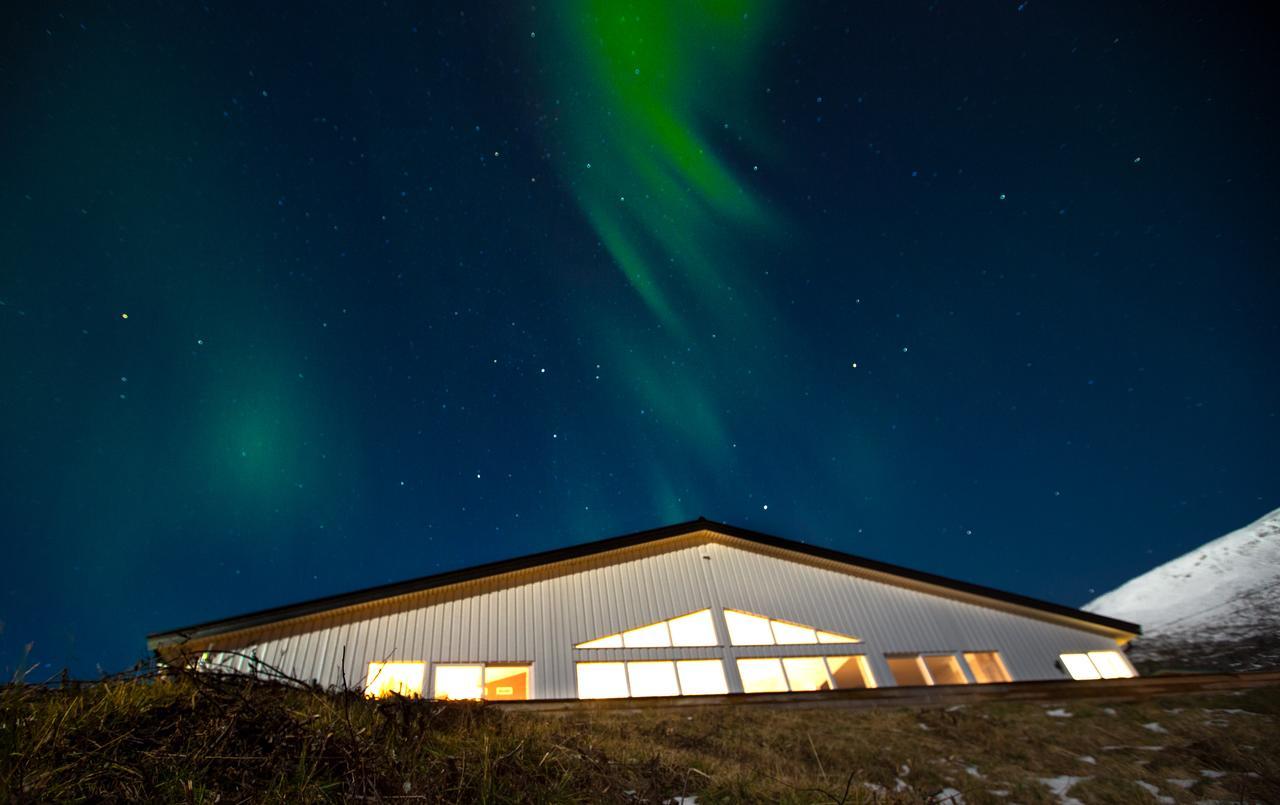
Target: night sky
{"type": "Point", "coordinates": [294, 302]}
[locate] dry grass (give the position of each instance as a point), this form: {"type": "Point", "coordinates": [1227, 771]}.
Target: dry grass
{"type": "Point", "coordinates": [209, 738]}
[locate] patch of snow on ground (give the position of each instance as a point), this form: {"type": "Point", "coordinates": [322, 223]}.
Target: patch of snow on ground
{"type": "Point", "coordinates": [1180, 783]}
{"type": "Point", "coordinates": [1155, 792]}
{"type": "Point", "coordinates": [1058, 713]}
{"type": "Point", "coordinates": [998, 792]}
{"type": "Point", "coordinates": [1154, 727]}
{"type": "Point", "coordinates": [900, 785]}
{"type": "Point", "coordinates": [1211, 774]}
{"type": "Point", "coordinates": [1111, 711]}
{"type": "Point", "coordinates": [1061, 785]}
{"type": "Point", "coordinates": [948, 795]}
{"type": "Point", "coordinates": [973, 771]}
{"type": "Point", "coordinates": [1090, 759]}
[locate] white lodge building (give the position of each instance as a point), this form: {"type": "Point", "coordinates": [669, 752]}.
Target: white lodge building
{"type": "Point", "coordinates": [691, 609]}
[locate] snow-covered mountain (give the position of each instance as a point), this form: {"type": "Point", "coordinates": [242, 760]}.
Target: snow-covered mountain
{"type": "Point", "coordinates": [1214, 608]}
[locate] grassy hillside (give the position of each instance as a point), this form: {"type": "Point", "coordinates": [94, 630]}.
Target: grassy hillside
{"type": "Point", "coordinates": [211, 739]}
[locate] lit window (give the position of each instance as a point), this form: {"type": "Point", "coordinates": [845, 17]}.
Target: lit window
{"type": "Point", "coordinates": [653, 678]}
{"type": "Point", "coordinates": [944, 669]}
{"type": "Point", "coordinates": [789, 634]}
{"type": "Point", "coordinates": [652, 636]}
{"type": "Point", "coordinates": [908, 670]}
{"type": "Point", "coordinates": [694, 629]}
{"type": "Point", "coordinates": [701, 677]}
{"type": "Point", "coordinates": [459, 682]}
{"type": "Point", "coordinates": [807, 673]}
{"type": "Point", "coordinates": [748, 630]}
{"type": "Point", "coordinates": [987, 666]}
{"type": "Point", "coordinates": [602, 680]}
{"type": "Point", "coordinates": [609, 641]}
{"type": "Point", "coordinates": [404, 678]}
{"type": "Point", "coordinates": [1097, 665]}
{"type": "Point", "coordinates": [1111, 664]}
{"type": "Point", "coordinates": [851, 672]}
{"type": "Point", "coordinates": [1080, 666]}
{"type": "Point", "coordinates": [506, 682]}
{"type": "Point", "coordinates": [762, 675]}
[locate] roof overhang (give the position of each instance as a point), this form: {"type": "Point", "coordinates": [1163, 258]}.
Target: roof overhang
{"type": "Point", "coordinates": [1122, 631]}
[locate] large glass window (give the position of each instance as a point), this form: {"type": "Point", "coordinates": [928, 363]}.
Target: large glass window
{"type": "Point", "coordinates": [506, 682]}
{"type": "Point", "coordinates": [779, 675]}
{"type": "Point", "coordinates": [747, 629]}
{"type": "Point", "coordinates": [404, 678]}
{"type": "Point", "coordinates": [987, 667]}
{"type": "Point", "coordinates": [655, 635]}
{"type": "Point", "coordinates": [701, 677]}
{"type": "Point", "coordinates": [602, 680]}
{"type": "Point", "coordinates": [851, 672]}
{"type": "Point", "coordinates": [908, 670]}
{"type": "Point", "coordinates": [615, 680]}
{"type": "Point", "coordinates": [807, 673]}
{"type": "Point", "coordinates": [653, 679]}
{"type": "Point", "coordinates": [694, 629]}
{"type": "Point", "coordinates": [762, 675]}
{"type": "Point", "coordinates": [944, 669]}
{"type": "Point", "coordinates": [491, 682]}
{"type": "Point", "coordinates": [1097, 665]}
{"type": "Point", "coordinates": [459, 682]}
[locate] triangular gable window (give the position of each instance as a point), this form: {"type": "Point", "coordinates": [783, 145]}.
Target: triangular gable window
{"type": "Point", "coordinates": [747, 629]}
{"type": "Point", "coordinates": [694, 629]}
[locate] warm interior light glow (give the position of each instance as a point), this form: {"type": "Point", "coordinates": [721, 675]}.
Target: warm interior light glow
{"type": "Point", "coordinates": [1111, 664]}
{"type": "Point", "coordinates": [506, 682]}
{"type": "Point", "coordinates": [1079, 666]}
{"type": "Point", "coordinates": [653, 678]}
{"type": "Point", "coordinates": [459, 682]}
{"type": "Point", "coordinates": [762, 675]}
{"type": "Point", "coordinates": [945, 669]}
{"type": "Point", "coordinates": [608, 641]}
{"type": "Point", "coordinates": [602, 680]}
{"type": "Point", "coordinates": [987, 667]}
{"type": "Point", "coordinates": [908, 670]}
{"type": "Point", "coordinates": [404, 678]}
{"type": "Point", "coordinates": [790, 634]}
{"type": "Point", "coordinates": [806, 673]}
{"type": "Point", "coordinates": [694, 629]}
{"type": "Point", "coordinates": [851, 672]}
{"type": "Point", "coordinates": [701, 677]}
{"type": "Point", "coordinates": [655, 635]}
{"type": "Point", "coordinates": [748, 630]}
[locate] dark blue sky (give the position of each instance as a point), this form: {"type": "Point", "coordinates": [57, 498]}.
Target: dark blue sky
{"type": "Point", "coordinates": [985, 291]}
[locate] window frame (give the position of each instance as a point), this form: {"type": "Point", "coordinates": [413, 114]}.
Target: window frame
{"type": "Point", "coordinates": [484, 666]}
{"type": "Point", "coordinates": [1080, 659]}
{"type": "Point", "coordinates": [930, 682]}
{"type": "Point", "coordinates": [674, 664]}
{"type": "Point", "coordinates": [370, 678]}
{"type": "Point", "coordinates": [999, 661]}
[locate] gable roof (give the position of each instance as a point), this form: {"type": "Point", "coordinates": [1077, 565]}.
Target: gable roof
{"type": "Point", "coordinates": [275, 614]}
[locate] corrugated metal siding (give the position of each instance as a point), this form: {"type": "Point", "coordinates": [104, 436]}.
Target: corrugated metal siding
{"type": "Point", "coordinates": [540, 617]}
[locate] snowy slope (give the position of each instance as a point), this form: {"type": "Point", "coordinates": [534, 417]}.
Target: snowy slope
{"type": "Point", "coordinates": [1225, 592]}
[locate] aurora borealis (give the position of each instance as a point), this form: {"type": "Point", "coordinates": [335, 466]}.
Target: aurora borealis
{"type": "Point", "coordinates": [989, 292]}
